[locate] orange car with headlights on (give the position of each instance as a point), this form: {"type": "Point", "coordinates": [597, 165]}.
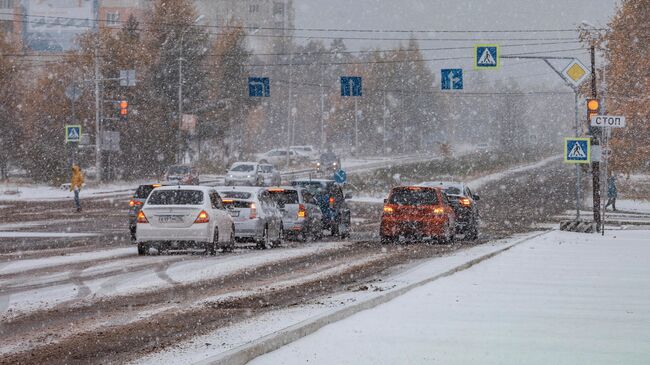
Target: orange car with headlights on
{"type": "Point", "coordinates": [417, 212]}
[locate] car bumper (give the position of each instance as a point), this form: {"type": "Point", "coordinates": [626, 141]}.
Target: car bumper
{"type": "Point", "coordinates": [242, 182]}
{"type": "Point", "coordinates": [294, 226]}
{"type": "Point", "coordinates": [196, 232]}
{"type": "Point", "coordinates": [416, 227]}
{"type": "Point", "coordinates": [252, 228]}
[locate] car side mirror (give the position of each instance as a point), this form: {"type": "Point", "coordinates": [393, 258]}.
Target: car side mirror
{"type": "Point", "coordinates": [348, 195]}
{"type": "Point", "coordinates": [476, 197]}
{"type": "Point", "coordinates": [385, 201]}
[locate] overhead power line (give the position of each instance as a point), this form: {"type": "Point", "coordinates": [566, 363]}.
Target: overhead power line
{"type": "Point", "coordinates": [330, 30]}
{"type": "Point", "coordinates": [98, 21]}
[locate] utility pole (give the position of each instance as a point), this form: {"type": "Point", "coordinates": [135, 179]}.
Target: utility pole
{"type": "Point", "coordinates": [98, 148]}
{"type": "Point", "coordinates": [322, 111]}
{"type": "Point", "coordinates": [595, 141]}
{"type": "Point", "coordinates": [179, 156]}
{"type": "Point", "coordinates": [289, 106]}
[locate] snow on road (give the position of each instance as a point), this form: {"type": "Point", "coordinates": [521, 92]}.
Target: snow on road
{"type": "Point", "coordinates": [4, 234]}
{"type": "Point", "coordinates": [122, 282]}
{"type": "Point", "coordinates": [561, 298]}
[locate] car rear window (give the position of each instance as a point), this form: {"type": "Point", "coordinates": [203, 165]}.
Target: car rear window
{"type": "Point", "coordinates": [236, 203]}
{"type": "Point", "coordinates": [243, 168]}
{"type": "Point", "coordinates": [178, 170]}
{"type": "Point", "coordinates": [176, 197]}
{"type": "Point", "coordinates": [235, 195]}
{"type": "Point", "coordinates": [413, 197]}
{"type": "Point", "coordinates": [285, 197]}
{"type": "Point", "coordinates": [143, 191]}
{"type": "Point", "coordinates": [452, 190]}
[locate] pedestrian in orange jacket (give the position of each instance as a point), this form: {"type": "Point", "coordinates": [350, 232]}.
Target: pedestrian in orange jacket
{"type": "Point", "coordinates": [76, 182]}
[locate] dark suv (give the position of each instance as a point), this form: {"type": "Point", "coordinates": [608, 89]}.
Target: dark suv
{"type": "Point", "coordinates": [331, 200]}
{"type": "Point", "coordinates": [135, 204]}
{"type": "Point", "coordinates": [464, 202]}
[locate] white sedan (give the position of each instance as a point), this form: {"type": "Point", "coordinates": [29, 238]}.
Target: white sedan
{"type": "Point", "coordinates": [184, 216]}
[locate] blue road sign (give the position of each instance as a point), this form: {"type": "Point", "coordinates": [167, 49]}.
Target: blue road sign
{"type": "Point", "coordinates": [577, 150]}
{"type": "Point", "coordinates": [259, 87]}
{"type": "Point", "coordinates": [486, 56]}
{"type": "Point", "coordinates": [72, 133]}
{"type": "Point", "coordinates": [340, 177]}
{"type": "Point", "coordinates": [350, 85]}
{"type": "Point", "coordinates": [451, 79]}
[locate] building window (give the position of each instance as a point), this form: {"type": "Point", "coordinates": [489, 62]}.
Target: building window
{"type": "Point", "coordinates": [278, 8]}
{"type": "Point", "coordinates": [253, 8]}
{"type": "Point", "coordinates": [112, 19]}
{"type": "Point", "coordinates": [6, 4]}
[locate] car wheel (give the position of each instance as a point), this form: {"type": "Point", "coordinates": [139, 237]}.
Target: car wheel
{"type": "Point", "coordinates": [230, 245]}
{"type": "Point", "coordinates": [385, 240]}
{"type": "Point", "coordinates": [212, 246]}
{"type": "Point", "coordinates": [334, 230]}
{"type": "Point", "coordinates": [280, 235]}
{"type": "Point", "coordinates": [472, 232]}
{"type": "Point", "coordinates": [265, 242]}
{"type": "Point", "coordinates": [133, 234]}
{"type": "Point", "coordinates": [143, 249]}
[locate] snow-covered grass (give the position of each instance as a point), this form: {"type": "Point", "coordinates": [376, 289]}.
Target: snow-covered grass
{"type": "Point", "coordinates": [638, 206]}
{"type": "Point", "coordinates": [561, 298]}
{"type": "Point", "coordinates": [13, 192]}
{"type": "Point", "coordinates": [478, 183]}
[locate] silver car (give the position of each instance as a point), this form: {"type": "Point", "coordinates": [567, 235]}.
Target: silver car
{"type": "Point", "coordinates": [257, 217]}
{"type": "Point", "coordinates": [302, 217]}
{"type": "Point", "coordinates": [244, 173]}
{"type": "Point", "coordinates": [270, 175]}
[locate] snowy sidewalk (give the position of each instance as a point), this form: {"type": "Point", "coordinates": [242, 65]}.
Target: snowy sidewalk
{"type": "Point", "coordinates": [561, 298]}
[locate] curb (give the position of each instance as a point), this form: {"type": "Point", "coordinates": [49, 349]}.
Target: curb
{"type": "Point", "coordinates": [245, 353]}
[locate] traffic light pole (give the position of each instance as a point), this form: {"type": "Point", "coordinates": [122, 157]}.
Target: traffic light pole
{"type": "Point", "coordinates": [98, 147]}
{"type": "Point", "coordinates": [595, 141]}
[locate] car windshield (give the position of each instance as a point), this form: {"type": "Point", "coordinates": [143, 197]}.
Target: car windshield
{"type": "Point", "coordinates": [266, 168]}
{"type": "Point", "coordinates": [413, 196]}
{"type": "Point", "coordinates": [311, 186]}
{"type": "Point", "coordinates": [235, 195]}
{"type": "Point", "coordinates": [243, 168]}
{"type": "Point", "coordinates": [143, 191]}
{"type": "Point", "coordinates": [178, 170]}
{"type": "Point", "coordinates": [176, 197]}
{"type": "Point", "coordinates": [283, 197]}
{"type": "Point", "coordinates": [328, 156]}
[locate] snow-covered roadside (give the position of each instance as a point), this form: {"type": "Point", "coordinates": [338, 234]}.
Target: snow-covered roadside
{"type": "Point", "coordinates": [477, 183]}
{"type": "Point", "coordinates": [225, 339]}
{"type": "Point", "coordinates": [12, 192]}
{"type": "Point", "coordinates": [561, 298]}
{"type": "Point", "coordinates": [637, 206]}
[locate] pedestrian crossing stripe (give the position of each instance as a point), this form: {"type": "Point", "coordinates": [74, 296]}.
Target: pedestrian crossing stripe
{"type": "Point", "coordinates": [486, 56]}
{"type": "Point", "coordinates": [72, 133]}
{"type": "Point", "coordinates": [577, 150]}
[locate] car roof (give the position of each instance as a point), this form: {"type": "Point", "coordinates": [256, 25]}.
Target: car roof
{"type": "Point", "coordinates": [185, 187]}
{"type": "Point", "coordinates": [245, 189]}
{"type": "Point", "coordinates": [443, 184]}
{"type": "Point", "coordinates": [296, 188]}
{"type": "Point", "coordinates": [415, 187]}
{"type": "Point", "coordinates": [243, 163]}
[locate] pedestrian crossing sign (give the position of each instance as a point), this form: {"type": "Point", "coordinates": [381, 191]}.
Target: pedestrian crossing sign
{"type": "Point", "coordinates": [486, 56]}
{"type": "Point", "coordinates": [577, 150]}
{"type": "Point", "coordinates": [72, 133]}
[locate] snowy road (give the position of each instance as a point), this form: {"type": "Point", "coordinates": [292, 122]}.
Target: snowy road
{"type": "Point", "coordinates": [110, 294]}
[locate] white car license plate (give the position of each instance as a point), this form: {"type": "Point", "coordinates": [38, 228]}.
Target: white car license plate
{"type": "Point", "coordinates": [170, 219]}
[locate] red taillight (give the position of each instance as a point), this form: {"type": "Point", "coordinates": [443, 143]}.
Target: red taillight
{"type": "Point", "coordinates": [302, 213]}
{"type": "Point", "coordinates": [133, 203]}
{"type": "Point", "coordinates": [438, 210]}
{"type": "Point", "coordinates": [388, 209]}
{"type": "Point", "coordinates": [203, 217]}
{"type": "Point", "coordinates": [142, 218]}
{"type": "Point", "coordinates": [331, 201]}
{"type": "Point", "coordinates": [253, 214]}
{"type": "Point", "coordinates": [465, 202]}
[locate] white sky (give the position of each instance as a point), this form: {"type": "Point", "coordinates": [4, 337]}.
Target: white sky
{"type": "Point", "coordinates": [461, 15]}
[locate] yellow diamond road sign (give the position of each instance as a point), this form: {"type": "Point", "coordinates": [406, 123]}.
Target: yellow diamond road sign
{"type": "Point", "coordinates": [575, 72]}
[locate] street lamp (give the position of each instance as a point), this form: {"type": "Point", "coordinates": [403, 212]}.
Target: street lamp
{"type": "Point", "coordinates": [180, 88]}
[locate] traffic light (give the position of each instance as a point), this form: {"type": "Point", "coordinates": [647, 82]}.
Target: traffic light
{"type": "Point", "coordinates": [124, 108]}
{"type": "Point", "coordinates": [593, 108]}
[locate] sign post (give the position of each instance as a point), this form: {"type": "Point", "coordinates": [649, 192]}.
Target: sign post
{"type": "Point", "coordinates": [352, 86]}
